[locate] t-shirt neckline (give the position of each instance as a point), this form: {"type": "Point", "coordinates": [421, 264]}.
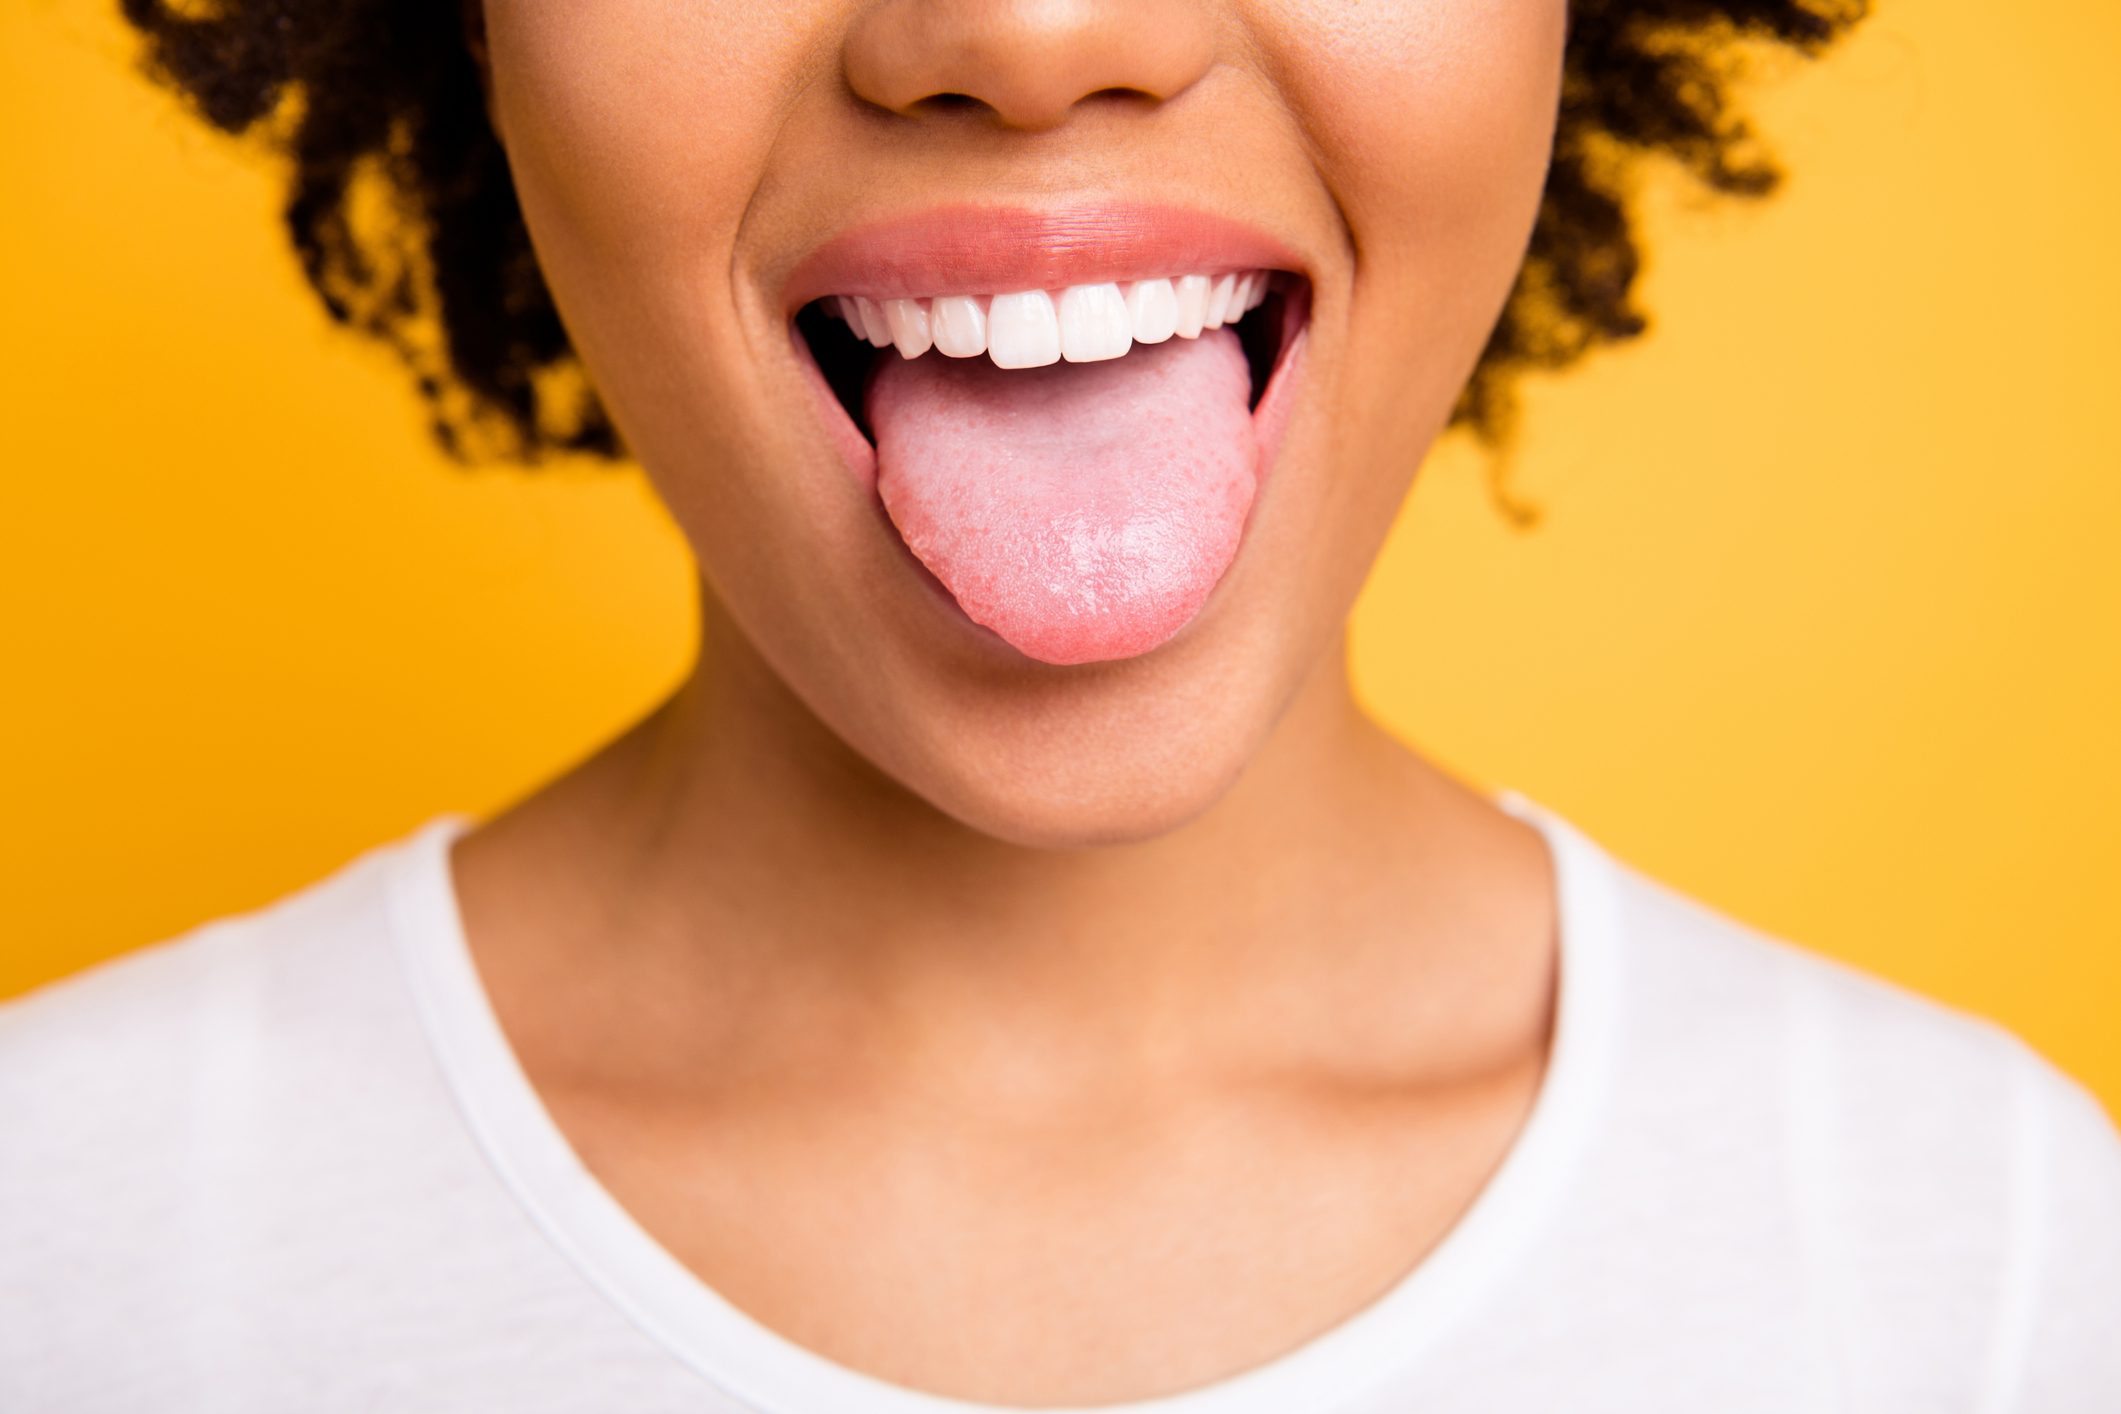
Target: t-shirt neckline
{"type": "Point", "coordinates": [761, 1370]}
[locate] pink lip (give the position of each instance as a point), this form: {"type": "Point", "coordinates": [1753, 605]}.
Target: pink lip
{"type": "Point", "coordinates": [970, 249]}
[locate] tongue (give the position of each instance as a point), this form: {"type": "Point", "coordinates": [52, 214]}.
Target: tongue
{"type": "Point", "coordinates": [1082, 511]}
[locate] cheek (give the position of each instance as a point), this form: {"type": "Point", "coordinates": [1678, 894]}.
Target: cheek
{"type": "Point", "coordinates": [1433, 125]}
{"type": "Point", "coordinates": [636, 130]}
{"type": "Point", "coordinates": [648, 113]}
{"type": "Point", "coordinates": [1437, 113]}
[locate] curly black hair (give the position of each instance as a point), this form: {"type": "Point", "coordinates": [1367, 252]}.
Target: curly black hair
{"type": "Point", "coordinates": [380, 101]}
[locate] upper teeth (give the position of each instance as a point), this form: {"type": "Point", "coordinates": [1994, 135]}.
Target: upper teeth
{"type": "Point", "coordinates": [1028, 328]}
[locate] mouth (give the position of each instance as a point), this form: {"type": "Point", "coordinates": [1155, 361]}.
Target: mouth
{"type": "Point", "coordinates": [1064, 418]}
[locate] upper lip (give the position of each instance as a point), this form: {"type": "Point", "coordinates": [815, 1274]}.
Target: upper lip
{"type": "Point", "coordinates": [973, 249]}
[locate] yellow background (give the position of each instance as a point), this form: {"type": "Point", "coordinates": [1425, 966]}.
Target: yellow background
{"type": "Point", "coordinates": [1821, 625]}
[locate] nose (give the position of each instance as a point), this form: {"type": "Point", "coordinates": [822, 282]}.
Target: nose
{"type": "Point", "coordinates": [1026, 62]}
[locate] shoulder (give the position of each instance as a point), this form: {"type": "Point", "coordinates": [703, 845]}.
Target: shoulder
{"type": "Point", "coordinates": [1957, 1193]}
{"type": "Point", "coordinates": [1704, 984]}
{"type": "Point", "coordinates": [197, 992]}
{"type": "Point", "coordinates": [188, 1051]}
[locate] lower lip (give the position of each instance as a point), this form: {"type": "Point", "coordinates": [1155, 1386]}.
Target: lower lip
{"type": "Point", "coordinates": [1270, 419]}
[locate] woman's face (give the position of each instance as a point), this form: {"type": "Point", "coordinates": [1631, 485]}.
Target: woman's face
{"type": "Point", "coordinates": [1068, 603]}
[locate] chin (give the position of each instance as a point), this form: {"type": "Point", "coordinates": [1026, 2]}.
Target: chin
{"type": "Point", "coordinates": [1121, 757]}
{"type": "Point", "coordinates": [1053, 800]}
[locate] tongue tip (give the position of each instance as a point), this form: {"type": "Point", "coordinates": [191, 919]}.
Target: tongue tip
{"type": "Point", "coordinates": [1075, 642]}
{"type": "Point", "coordinates": [1072, 644]}
{"type": "Point", "coordinates": [1095, 606]}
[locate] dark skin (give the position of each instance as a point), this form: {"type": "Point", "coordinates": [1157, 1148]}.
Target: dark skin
{"type": "Point", "coordinates": [954, 1016]}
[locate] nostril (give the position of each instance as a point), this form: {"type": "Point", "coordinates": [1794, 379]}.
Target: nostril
{"type": "Point", "coordinates": [948, 103]}
{"type": "Point", "coordinates": [1020, 114]}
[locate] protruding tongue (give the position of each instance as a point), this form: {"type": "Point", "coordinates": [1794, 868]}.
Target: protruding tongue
{"type": "Point", "coordinates": [1082, 511]}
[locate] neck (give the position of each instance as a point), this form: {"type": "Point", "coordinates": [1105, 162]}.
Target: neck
{"type": "Point", "coordinates": [734, 860]}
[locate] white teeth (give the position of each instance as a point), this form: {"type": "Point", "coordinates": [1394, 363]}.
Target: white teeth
{"type": "Point", "coordinates": [1022, 330]}
{"type": "Point", "coordinates": [960, 326]}
{"type": "Point", "coordinates": [1032, 328]}
{"type": "Point", "coordinates": [1192, 293]}
{"type": "Point", "coordinates": [873, 327]}
{"type": "Point", "coordinates": [1219, 302]}
{"type": "Point", "coordinates": [908, 320]}
{"type": "Point", "coordinates": [1094, 324]}
{"type": "Point", "coordinates": [1152, 307]}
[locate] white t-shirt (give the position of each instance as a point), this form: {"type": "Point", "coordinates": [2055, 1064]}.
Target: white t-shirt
{"type": "Point", "coordinates": [287, 1162]}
